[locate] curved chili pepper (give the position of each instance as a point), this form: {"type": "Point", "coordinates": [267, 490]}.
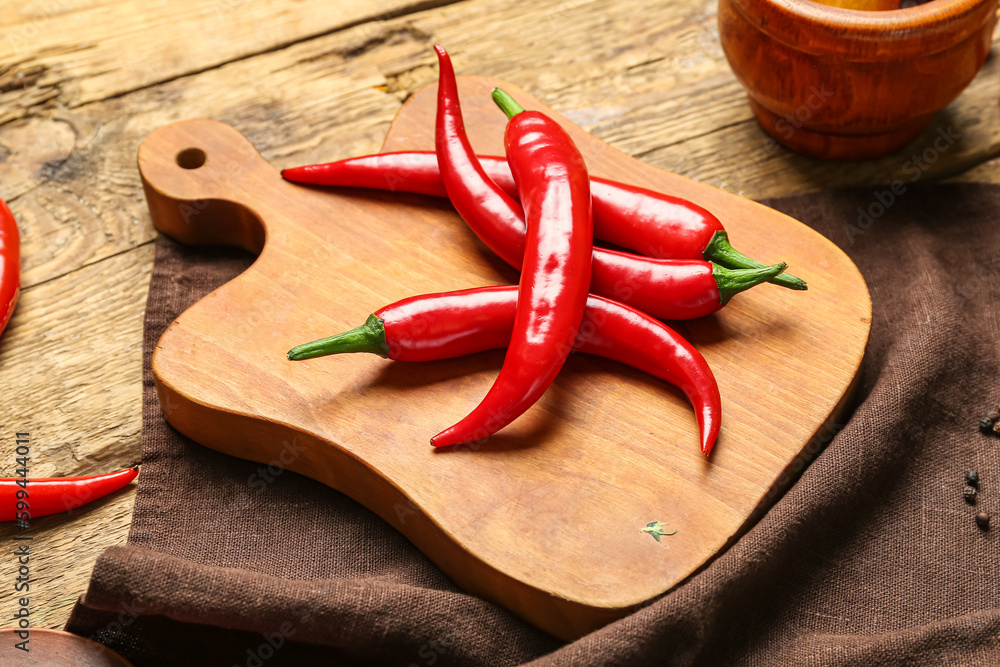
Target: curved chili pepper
{"type": "Point", "coordinates": [644, 221]}
{"type": "Point", "coordinates": [553, 185]}
{"type": "Point", "coordinates": [454, 324]}
{"type": "Point", "coordinates": [10, 264]}
{"type": "Point", "coordinates": [668, 289]}
{"type": "Point", "coordinates": [22, 499]}
{"type": "Point", "coordinates": [473, 194]}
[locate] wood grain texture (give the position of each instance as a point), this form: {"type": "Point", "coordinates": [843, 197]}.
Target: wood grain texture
{"type": "Point", "coordinates": [664, 94]}
{"type": "Point", "coordinates": [75, 57]}
{"type": "Point", "coordinates": [651, 79]}
{"type": "Point", "coordinates": [82, 389]}
{"type": "Point", "coordinates": [64, 548]}
{"type": "Point", "coordinates": [569, 484]}
{"type": "Point", "coordinates": [74, 383]}
{"type": "Point", "coordinates": [841, 84]}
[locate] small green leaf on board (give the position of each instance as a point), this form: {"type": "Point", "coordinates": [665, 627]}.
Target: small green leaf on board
{"type": "Point", "coordinates": [655, 528]}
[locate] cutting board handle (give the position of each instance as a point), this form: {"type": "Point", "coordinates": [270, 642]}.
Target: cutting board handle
{"type": "Point", "coordinates": [201, 178]}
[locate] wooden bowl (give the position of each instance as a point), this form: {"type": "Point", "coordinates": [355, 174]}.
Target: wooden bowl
{"type": "Point", "coordinates": [850, 84]}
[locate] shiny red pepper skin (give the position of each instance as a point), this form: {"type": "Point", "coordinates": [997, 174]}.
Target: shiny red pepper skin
{"type": "Point", "coordinates": [454, 324]}
{"type": "Point", "coordinates": [554, 189]}
{"type": "Point", "coordinates": [644, 221]}
{"type": "Point", "coordinates": [668, 289]}
{"type": "Point", "coordinates": [10, 264]}
{"type": "Point", "coordinates": [480, 202]}
{"type": "Point", "coordinates": [42, 497]}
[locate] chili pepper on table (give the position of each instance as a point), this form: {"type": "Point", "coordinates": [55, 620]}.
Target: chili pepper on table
{"type": "Point", "coordinates": [10, 264]}
{"type": "Point", "coordinates": [664, 288]}
{"type": "Point", "coordinates": [25, 498]}
{"type": "Point", "coordinates": [671, 289]}
{"type": "Point", "coordinates": [454, 324]}
{"type": "Point", "coordinates": [554, 188]}
{"type": "Point", "coordinates": [668, 289]}
{"type": "Point", "coordinates": [644, 221]}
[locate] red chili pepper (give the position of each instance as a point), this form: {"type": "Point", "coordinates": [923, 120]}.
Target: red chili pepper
{"type": "Point", "coordinates": [23, 499]}
{"type": "Point", "coordinates": [454, 324]}
{"type": "Point", "coordinates": [554, 188]}
{"type": "Point", "coordinates": [10, 264]}
{"type": "Point", "coordinates": [668, 289]}
{"type": "Point", "coordinates": [664, 288]}
{"type": "Point", "coordinates": [473, 194]}
{"type": "Point", "coordinates": [650, 223]}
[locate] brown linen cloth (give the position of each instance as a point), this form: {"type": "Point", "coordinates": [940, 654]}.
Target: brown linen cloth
{"type": "Point", "coordinates": [872, 557]}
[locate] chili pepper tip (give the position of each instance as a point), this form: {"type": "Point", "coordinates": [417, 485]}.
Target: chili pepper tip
{"type": "Point", "coordinates": [369, 337]}
{"type": "Point", "coordinates": [507, 103]}
{"type": "Point", "coordinates": [721, 251]}
{"type": "Point", "coordinates": [307, 174]}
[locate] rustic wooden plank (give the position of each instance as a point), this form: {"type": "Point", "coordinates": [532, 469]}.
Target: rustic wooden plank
{"type": "Point", "coordinates": [72, 177]}
{"type": "Point", "coordinates": [25, 18]}
{"type": "Point", "coordinates": [71, 377]}
{"type": "Point", "coordinates": [63, 550]}
{"type": "Point", "coordinates": [71, 371]}
{"type": "Point", "coordinates": [664, 93]}
{"type": "Point", "coordinates": [103, 49]}
{"type": "Point", "coordinates": [743, 159]}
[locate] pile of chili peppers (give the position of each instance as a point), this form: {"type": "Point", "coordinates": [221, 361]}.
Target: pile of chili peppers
{"type": "Point", "coordinates": [540, 211]}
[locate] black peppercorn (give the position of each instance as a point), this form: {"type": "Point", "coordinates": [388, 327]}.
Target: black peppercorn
{"type": "Point", "coordinates": [986, 425]}
{"type": "Point", "coordinates": [972, 478]}
{"type": "Point", "coordinates": [983, 520]}
{"type": "Point", "coordinates": [970, 494]}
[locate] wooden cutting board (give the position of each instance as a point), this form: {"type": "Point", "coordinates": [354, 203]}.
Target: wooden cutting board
{"type": "Point", "coordinates": [546, 517]}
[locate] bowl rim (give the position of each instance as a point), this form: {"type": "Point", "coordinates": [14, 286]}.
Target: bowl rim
{"type": "Point", "coordinates": [920, 30]}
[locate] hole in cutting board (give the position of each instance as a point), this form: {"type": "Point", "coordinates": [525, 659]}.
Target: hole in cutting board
{"type": "Point", "coordinates": [191, 158]}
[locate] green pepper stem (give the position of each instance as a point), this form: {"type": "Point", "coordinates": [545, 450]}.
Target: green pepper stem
{"type": "Point", "coordinates": [507, 103]}
{"type": "Point", "coordinates": [720, 251]}
{"type": "Point", "coordinates": [733, 281]}
{"type": "Point", "coordinates": [369, 337]}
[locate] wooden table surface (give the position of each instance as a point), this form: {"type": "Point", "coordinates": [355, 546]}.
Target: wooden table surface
{"type": "Point", "coordinates": [82, 82]}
